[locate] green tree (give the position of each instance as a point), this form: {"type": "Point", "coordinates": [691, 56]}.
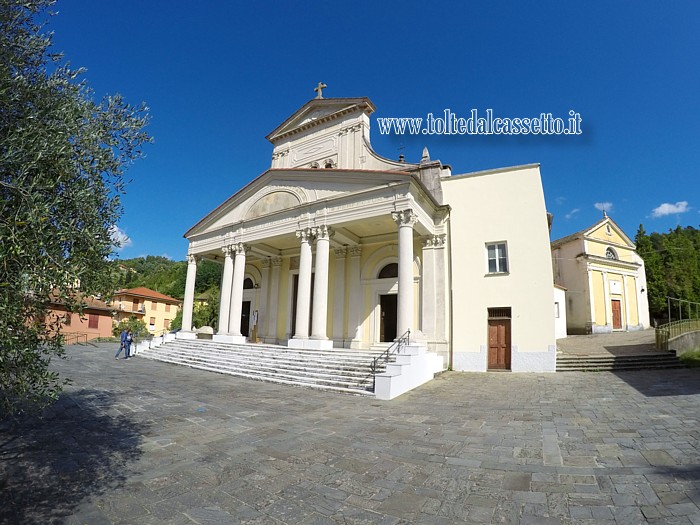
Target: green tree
{"type": "Point", "coordinates": [62, 159]}
{"type": "Point", "coordinates": [137, 326]}
{"type": "Point", "coordinates": [656, 281]}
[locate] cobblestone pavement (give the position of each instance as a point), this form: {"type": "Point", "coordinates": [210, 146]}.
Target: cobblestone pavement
{"type": "Point", "coordinates": [143, 442]}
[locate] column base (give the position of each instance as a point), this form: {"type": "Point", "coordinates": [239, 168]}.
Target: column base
{"type": "Point", "coordinates": [311, 344]}
{"type": "Point", "coordinates": [227, 338]}
{"type": "Point", "coordinates": [185, 335]}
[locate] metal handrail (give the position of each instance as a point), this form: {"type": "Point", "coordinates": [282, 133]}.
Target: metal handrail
{"type": "Point", "coordinates": [395, 347]}
{"type": "Point", "coordinates": [666, 332]}
{"type": "Point", "coordinates": [74, 338]}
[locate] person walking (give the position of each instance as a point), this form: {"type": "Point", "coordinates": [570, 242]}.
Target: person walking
{"type": "Point", "coordinates": [124, 344]}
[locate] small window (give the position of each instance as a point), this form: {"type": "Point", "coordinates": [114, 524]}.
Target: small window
{"type": "Point", "coordinates": [497, 254]}
{"type": "Point", "coordinates": [154, 306]}
{"type": "Point", "coordinates": [248, 284]}
{"type": "Point", "coordinates": [167, 308]}
{"type": "Point", "coordinates": [93, 321]}
{"type": "Point", "coordinates": [610, 254]}
{"type": "Point", "coordinates": [391, 270]}
{"type": "Point", "coordinates": [166, 323]}
{"type": "Point", "coordinates": [67, 319]}
{"type": "Point", "coordinates": [153, 321]}
{"type": "Point", "coordinates": [556, 310]}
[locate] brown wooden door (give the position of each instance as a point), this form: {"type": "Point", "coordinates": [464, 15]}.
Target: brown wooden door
{"type": "Point", "coordinates": [499, 344]}
{"type": "Point", "coordinates": [617, 314]}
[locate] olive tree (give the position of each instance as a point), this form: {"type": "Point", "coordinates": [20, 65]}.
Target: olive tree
{"type": "Point", "coordinates": [62, 161]}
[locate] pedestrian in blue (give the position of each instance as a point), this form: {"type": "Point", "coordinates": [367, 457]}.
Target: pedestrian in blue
{"type": "Point", "coordinates": [124, 344]}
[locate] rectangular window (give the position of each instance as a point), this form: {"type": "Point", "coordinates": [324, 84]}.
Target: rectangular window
{"type": "Point", "coordinates": [167, 309]}
{"type": "Point", "coordinates": [93, 321]}
{"type": "Point", "coordinates": [166, 323]}
{"type": "Point", "coordinates": [153, 321]}
{"type": "Point", "coordinates": [154, 306]}
{"type": "Point", "coordinates": [556, 310]}
{"type": "Point", "coordinates": [497, 255]}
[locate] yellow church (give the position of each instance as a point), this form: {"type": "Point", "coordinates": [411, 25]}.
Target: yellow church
{"type": "Point", "coordinates": [605, 280]}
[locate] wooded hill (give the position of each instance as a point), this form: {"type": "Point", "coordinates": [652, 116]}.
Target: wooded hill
{"type": "Point", "coordinates": [164, 275]}
{"type": "Point", "coordinates": [672, 268]}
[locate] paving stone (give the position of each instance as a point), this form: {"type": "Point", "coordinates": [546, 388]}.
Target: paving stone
{"type": "Point", "coordinates": [160, 444]}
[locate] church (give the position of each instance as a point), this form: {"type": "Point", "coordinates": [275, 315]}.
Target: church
{"type": "Point", "coordinates": [337, 247]}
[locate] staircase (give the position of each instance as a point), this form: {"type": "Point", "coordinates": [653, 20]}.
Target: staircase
{"type": "Point", "coordinates": [339, 370]}
{"type": "Point", "coordinates": [601, 363]}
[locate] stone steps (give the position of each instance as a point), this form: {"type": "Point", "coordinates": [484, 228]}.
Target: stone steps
{"type": "Point", "coordinates": [338, 370]}
{"type": "Point", "coordinates": [600, 363]}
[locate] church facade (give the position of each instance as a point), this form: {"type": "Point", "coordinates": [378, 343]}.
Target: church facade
{"type": "Point", "coordinates": [335, 246]}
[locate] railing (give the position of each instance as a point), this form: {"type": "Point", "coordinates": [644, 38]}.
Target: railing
{"type": "Point", "coordinates": [386, 354]}
{"type": "Point", "coordinates": [666, 332]}
{"type": "Point", "coordinates": [75, 338]}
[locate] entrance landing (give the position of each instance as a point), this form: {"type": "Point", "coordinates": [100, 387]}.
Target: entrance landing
{"type": "Point", "coordinates": [615, 344]}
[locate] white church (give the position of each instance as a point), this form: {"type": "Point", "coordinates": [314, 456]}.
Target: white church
{"type": "Point", "coordinates": [337, 247]}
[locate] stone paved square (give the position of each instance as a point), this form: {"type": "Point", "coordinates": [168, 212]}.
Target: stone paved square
{"type": "Point", "coordinates": [142, 442]}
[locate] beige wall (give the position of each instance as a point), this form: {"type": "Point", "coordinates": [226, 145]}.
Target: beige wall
{"type": "Point", "coordinates": [501, 205]}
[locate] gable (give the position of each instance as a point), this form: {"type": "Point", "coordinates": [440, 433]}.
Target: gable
{"type": "Point", "coordinates": [320, 111]}
{"type": "Point", "coordinates": [608, 232]}
{"type": "Point", "coordinates": [280, 191]}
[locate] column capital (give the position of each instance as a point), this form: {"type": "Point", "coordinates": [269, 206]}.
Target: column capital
{"type": "Point", "coordinates": [355, 251]}
{"type": "Point", "coordinates": [404, 217]}
{"type": "Point", "coordinates": [322, 232]}
{"type": "Point", "coordinates": [276, 261]}
{"type": "Point", "coordinates": [266, 262]}
{"type": "Point", "coordinates": [434, 241]}
{"type": "Point", "coordinates": [340, 253]}
{"type": "Point", "coordinates": [239, 248]}
{"type": "Point", "coordinates": [305, 234]}
{"type": "Point", "coordinates": [227, 250]}
{"type": "Point", "coordinates": [192, 259]}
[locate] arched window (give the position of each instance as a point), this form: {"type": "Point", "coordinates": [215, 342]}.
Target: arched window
{"type": "Point", "coordinates": [610, 254]}
{"type": "Point", "coordinates": [389, 271]}
{"type": "Point", "coordinates": [248, 284]}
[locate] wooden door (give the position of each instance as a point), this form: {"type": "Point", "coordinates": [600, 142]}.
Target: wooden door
{"type": "Point", "coordinates": [499, 344]}
{"type": "Point", "coordinates": [617, 314]}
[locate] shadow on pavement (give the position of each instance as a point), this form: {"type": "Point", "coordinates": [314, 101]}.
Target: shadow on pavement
{"type": "Point", "coordinates": [653, 383]}
{"type": "Point", "coordinates": [51, 462]}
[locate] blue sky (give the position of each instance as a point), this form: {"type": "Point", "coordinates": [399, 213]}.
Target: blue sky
{"type": "Point", "coordinates": [219, 76]}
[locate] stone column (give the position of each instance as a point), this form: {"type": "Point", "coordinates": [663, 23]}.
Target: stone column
{"type": "Point", "coordinates": [405, 219]}
{"type": "Point", "coordinates": [225, 302]}
{"type": "Point", "coordinates": [262, 306]}
{"type": "Point", "coordinates": [355, 295]}
{"type": "Point", "coordinates": [319, 322]}
{"type": "Point", "coordinates": [301, 330]}
{"type": "Point", "coordinates": [234, 325]}
{"type": "Point", "coordinates": [339, 297]}
{"type": "Point", "coordinates": [606, 299]}
{"type": "Point", "coordinates": [188, 303]}
{"type": "Point", "coordinates": [271, 334]}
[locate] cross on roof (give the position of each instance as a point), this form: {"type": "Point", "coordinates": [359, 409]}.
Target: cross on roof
{"type": "Point", "coordinates": [319, 89]}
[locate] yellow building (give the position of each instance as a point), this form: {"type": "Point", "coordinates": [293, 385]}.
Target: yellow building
{"type": "Point", "coordinates": [155, 309]}
{"type": "Point", "coordinates": [605, 280]}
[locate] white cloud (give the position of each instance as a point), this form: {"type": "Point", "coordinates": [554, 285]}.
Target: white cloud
{"type": "Point", "coordinates": [560, 200]}
{"type": "Point", "coordinates": [603, 206]}
{"type": "Point", "coordinates": [572, 213]}
{"type": "Point", "coordinates": [120, 239]}
{"type": "Point", "coordinates": [670, 209]}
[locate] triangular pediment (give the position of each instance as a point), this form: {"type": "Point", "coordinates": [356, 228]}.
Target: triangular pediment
{"type": "Point", "coordinates": [320, 111]}
{"type": "Point", "coordinates": [279, 192]}
{"type": "Point", "coordinates": [607, 231]}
